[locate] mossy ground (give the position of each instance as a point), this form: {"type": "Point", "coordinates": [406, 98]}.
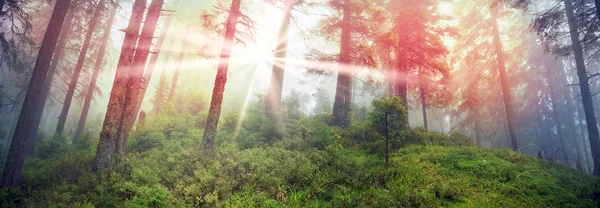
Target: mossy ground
{"type": "Point", "coordinates": [312, 166]}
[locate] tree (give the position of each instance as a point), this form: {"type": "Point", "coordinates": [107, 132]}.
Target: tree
{"type": "Point", "coordinates": [584, 87]}
{"type": "Point", "coordinates": [386, 116]}
{"type": "Point", "coordinates": [175, 79]}
{"type": "Point", "coordinates": [416, 42]}
{"type": "Point", "coordinates": [11, 175]}
{"type": "Point", "coordinates": [152, 64]}
{"type": "Point", "coordinates": [78, 67]}
{"type": "Point", "coordinates": [134, 82]}
{"type": "Point", "coordinates": [273, 100]}
{"type": "Point", "coordinates": [322, 102]}
{"type": "Point", "coordinates": [97, 68]}
{"type": "Point", "coordinates": [109, 144]}
{"type": "Point", "coordinates": [58, 52]}
{"type": "Point", "coordinates": [343, 90]}
{"type": "Point", "coordinates": [510, 114]}
{"type": "Point", "coordinates": [161, 96]}
{"type": "Point", "coordinates": [214, 111]}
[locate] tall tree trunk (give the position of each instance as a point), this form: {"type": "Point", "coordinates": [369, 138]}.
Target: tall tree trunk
{"type": "Point", "coordinates": [77, 71]}
{"type": "Point", "coordinates": [585, 138]}
{"type": "Point", "coordinates": [510, 115]}
{"type": "Point", "coordinates": [558, 123]}
{"type": "Point", "coordinates": [109, 143]}
{"type": "Point", "coordinates": [273, 101]}
{"type": "Point", "coordinates": [423, 99]}
{"type": "Point", "coordinates": [584, 87]}
{"type": "Point", "coordinates": [401, 85]}
{"type": "Point", "coordinates": [341, 104]}
{"type": "Point", "coordinates": [220, 80]}
{"type": "Point", "coordinates": [60, 45]}
{"type": "Point", "coordinates": [152, 64]}
{"type": "Point", "coordinates": [97, 68]}
{"type": "Point", "coordinates": [477, 131]}
{"type": "Point", "coordinates": [11, 176]}
{"type": "Point", "coordinates": [177, 70]}
{"type": "Point", "coordinates": [134, 83]}
{"type": "Point", "coordinates": [575, 131]}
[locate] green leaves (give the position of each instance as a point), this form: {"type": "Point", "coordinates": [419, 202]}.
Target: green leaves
{"type": "Point", "coordinates": [387, 113]}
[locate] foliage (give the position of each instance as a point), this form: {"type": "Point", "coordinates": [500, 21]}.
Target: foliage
{"type": "Point", "coordinates": [387, 113]}
{"type": "Point", "coordinates": [308, 164]}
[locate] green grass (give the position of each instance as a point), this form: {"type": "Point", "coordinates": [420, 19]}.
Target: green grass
{"type": "Point", "coordinates": [312, 166]}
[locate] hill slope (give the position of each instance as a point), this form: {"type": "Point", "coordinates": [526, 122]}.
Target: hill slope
{"type": "Point", "coordinates": [170, 172]}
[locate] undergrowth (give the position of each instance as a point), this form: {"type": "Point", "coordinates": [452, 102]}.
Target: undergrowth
{"type": "Point", "coordinates": [308, 164]}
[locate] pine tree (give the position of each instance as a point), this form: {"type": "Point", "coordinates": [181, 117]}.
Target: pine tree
{"type": "Point", "coordinates": [78, 67]}
{"type": "Point", "coordinates": [97, 68]}
{"type": "Point", "coordinates": [214, 111]}
{"type": "Point", "coordinates": [12, 172]}
{"type": "Point", "coordinates": [109, 144]}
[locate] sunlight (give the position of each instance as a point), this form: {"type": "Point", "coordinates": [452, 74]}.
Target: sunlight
{"type": "Point", "coordinates": [445, 8]}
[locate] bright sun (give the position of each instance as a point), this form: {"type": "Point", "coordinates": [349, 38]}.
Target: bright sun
{"type": "Point", "coordinates": [445, 8]}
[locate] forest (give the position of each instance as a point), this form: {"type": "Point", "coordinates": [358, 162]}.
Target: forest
{"type": "Point", "coordinates": [299, 103]}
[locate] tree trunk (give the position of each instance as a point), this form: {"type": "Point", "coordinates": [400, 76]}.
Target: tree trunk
{"type": "Point", "coordinates": [341, 104]}
{"type": "Point", "coordinates": [60, 45]}
{"type": "Point", "coordinates": [163, 76]}
{"type": "Point", "coordinates": [477, 132]}
{"type": "Point", "coordinates": [401, 85]}
{"type": "Point", "coordinates": [77, 71]}
{"type": "Point", "coordinates": [177, 70]}
{"type": "Point", "coordinates": [152, 64]}
{"type": "Point", "coordinates": [134, 83]}
{"type": "Point", "coordinates": [11, 176]}
{"type": "Point", "coordinates": [510, 115]}
{"type": "Point", "coordinates": [575, 131]}
{"type": "Point", "coordinates": [556, 118]}
{"type": "Point", "coordinates": [584, 87]}
{"type": "Point", "coordinates": [220, 80]}
{"type": "Point", "coordinates": [97, 68]}
{"type": "Point", "coordinates": [273, 101]}
{"type": "Point", "coordinates": [109, 143]}
{"type": "Point", "coordinates": [423, 103]}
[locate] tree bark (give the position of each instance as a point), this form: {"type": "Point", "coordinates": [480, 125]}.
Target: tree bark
{"type": "Point", "coordinates": [343, 97]}
{"type": "Point", "coordinates": [273, 101]}
{"type": "Point", "coordinates": [134, 83]}
{"type": "Point", "coordinates": [423, 99]}
{"type": "Point", "coordinates": [557, 122]}
{"type": "Point", "coordinates": [177, 70]}
{"type": "Point", "coordinates": [477, 132]}
{"type": "Point", "coordinates": [11, 176]}
{"type": "Point", "coordinates": [584, 87]}
{"type": "Point", "coordinates": [108, 151]}
{"type": "Point", "coordinates": [60, 45]}
{"type": "Point", "coordinates": [97, 68]}
{"type": "Point", "coordinates": [152, 64]}
{"type": "Point", "coordinates": [510, 115]}
{"type": "Point", "coordinates": [77, 71]}
{"type": "Point", "coordinates": [217, 97]}
{"type": "Point", "coordinates": [401, 85]}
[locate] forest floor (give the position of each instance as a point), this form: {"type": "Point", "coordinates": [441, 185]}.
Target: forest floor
{"type": "Point", "coordinates": [316, 166]}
